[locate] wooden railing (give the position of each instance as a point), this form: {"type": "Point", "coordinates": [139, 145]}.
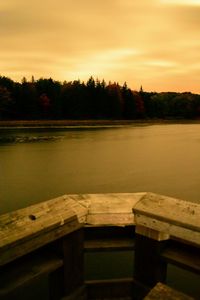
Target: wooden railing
{"type": "Point", "coordinates": [50, 238]}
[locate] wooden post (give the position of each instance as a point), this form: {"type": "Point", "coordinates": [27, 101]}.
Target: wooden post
{"type": "Point", "coordinates": [73, 251]}
{"type": "Point", "coordinates": [68, 281]}
{"type": "Point", "coordinates": [149, 267]}
{"type": "Point", "coordinates": [157, 219]}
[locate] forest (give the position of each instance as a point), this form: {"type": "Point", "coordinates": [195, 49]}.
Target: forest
{"type": "Point", "coordinates": [50, 99]}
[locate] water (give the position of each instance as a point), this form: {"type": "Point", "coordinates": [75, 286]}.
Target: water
{"type": "Point", "coordinates": [39, 164]}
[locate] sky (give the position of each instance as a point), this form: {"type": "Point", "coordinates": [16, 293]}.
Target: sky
{"type": "Point", "coordinates": [150, 43]}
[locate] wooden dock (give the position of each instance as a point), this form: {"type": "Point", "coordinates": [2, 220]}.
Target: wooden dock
{"type": "Point", "coordinates": [52, 237]}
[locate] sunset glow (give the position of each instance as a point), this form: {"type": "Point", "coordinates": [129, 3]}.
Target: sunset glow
{"type": "Point", "coordinates": [153, 43]}
{"type": "Point", "coordinates": [182, 2]}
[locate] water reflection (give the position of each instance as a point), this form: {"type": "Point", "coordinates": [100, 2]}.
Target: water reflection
{"type": "Point", "coordinates": [44, 163]}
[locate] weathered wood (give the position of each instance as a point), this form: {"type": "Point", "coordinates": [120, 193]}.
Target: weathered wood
{"type": "Point", "coordinates": [109, 238]}
{"type": "Point", "coordinates": [168, 229]}
{"type": "Point", "coordinates": [181, 213]}
{"type": "Point", "coordinates": [61, 220]}
{"type": "Point", "coordinates": [109, 245]}
{"type": "Point", "coordinates": [69, 279]}
{"type": "Point", "coordinates": [171, 216]}
{"type": "Point", "coordinates": [110, 289]}
{"type": "Point", "coordinates": [161, 291]}
{"type": "Point", "coordinates": [184, 256]}
{"type": "Point", "coordinates": [27, 229]}
{"type": "Point", "coordinates": [149, 268]}
{"type": "Point", "coordinates": [73, 257]}
{"type": "Point", "coordinates": [111, 219]}
{"type": "Point", "coordinates": [111, 209]}
{"type": "Point", "coordinates": [151, 233]}
{"type": "Point", "coordinates": [27, 269]}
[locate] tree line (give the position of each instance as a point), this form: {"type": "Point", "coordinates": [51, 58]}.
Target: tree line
{"type": "Point", "coordinates": [94, 99]}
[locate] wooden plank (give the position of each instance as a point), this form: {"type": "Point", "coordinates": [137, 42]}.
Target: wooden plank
{"type": "Point", "coordinates": [21, 249]}
{"type": "Point", "coordinates": [109, 245]}
{"type": "Point", "coordinates": [110, 289]}
{"type": "Point", "coordinates": [112, 209]}
{"type": "Point", "coordinates": [168, 229]}
{"type": "Point", "coordinates": [175, 217]}
{"type": "Point", "coordinates": [111, 219]}
{"type": "Point", "coordinates": [178, 212]}
{"type": "Point", "coordinates": [27, 269]}
{"type": "Point", "coordinates": [184, 256]}
{"type": "Point", "coordinates": [161, 291]}
{"type": "Point", "coordinates": [27, 229]}
{"type": "Point", "coordinates": [113, 203]}
{"type": "Point", "coordinates": [38, 218]}
{"type": "Point", "coordinates": [151, 233]}
{"type": "Point", "coordinates": [109, 238]}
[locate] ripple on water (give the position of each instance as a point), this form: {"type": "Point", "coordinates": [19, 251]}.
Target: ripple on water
{"type": "Point", "coordinates": [28, 139]}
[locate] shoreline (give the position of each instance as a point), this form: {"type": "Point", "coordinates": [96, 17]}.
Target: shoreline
{"type": "Point", "coordinates": [88, 123]}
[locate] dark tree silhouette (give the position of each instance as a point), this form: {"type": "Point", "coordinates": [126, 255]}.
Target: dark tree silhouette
{"type": "Point", "coordinates": [95, 99]}
{"type": "Point", "coordinates": [6, 103]}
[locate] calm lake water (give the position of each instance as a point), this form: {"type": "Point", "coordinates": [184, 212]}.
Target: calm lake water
{"type": "Point", "coordinates": [39, 164]}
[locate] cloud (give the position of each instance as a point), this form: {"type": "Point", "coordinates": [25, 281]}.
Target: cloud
{"type": "Point", "coordinates": [101, 63]}
{"type": "Point", "coordinates": [181, 2]}
{"type": "Point", "coordinates": [141, 42]}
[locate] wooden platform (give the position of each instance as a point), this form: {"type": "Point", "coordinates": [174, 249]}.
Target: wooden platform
{"type": "Point", "coordinates": [27, 229]}
{"type": "Point", "coordinates": [51, 238]}
{"type": "Point", "coordinates": [163, 292]}
{"type": "Point", "coordinates": [168, 216]}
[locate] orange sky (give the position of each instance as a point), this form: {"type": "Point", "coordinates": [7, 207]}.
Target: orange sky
{"type": "Point", "coordinates": [153, 43]}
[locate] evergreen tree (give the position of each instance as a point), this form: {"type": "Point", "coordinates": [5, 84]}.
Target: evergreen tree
{"type": "Point", "coordinates": [6, 103]}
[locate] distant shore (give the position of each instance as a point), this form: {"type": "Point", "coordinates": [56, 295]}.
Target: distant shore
{"type": "Point", "coordinates": [86, 123]}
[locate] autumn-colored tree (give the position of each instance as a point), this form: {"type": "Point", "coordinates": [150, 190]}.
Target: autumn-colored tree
{"type": "Point", "coordinates": [52, 90]}
{"type": "Point", "coordinates": [47, 98]}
